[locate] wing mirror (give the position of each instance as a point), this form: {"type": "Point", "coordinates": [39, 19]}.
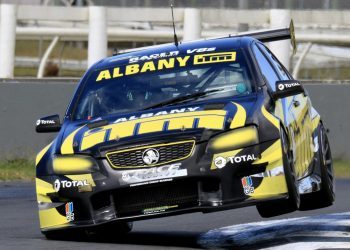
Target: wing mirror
{"type": "Point", "coordinates": [48, 124]}
{"type": "Point", "coordinates": [287, 88]}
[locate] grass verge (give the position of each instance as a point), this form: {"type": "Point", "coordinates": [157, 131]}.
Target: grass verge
{"type": "Point", "coordinates": [23, 169]}
{"type": "Point", "coordinates": [17, 169]}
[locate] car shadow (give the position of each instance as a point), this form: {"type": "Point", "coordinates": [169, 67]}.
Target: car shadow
{"type": "Point", "coordinates": [170, 239]}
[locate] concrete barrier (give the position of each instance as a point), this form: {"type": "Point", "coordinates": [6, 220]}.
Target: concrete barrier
{"type": "Point", "coordinates": [23, 101]}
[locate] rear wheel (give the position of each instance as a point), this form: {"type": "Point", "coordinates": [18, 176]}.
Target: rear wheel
{"type": "Point", "coordinates": [274, 208]}
{"type": "Point", "coordinates": [325, 197]}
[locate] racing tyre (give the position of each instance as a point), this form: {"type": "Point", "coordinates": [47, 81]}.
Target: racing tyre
{"type": "Point", "coordinates": [326, 196]}
{"type": "Point", "coordinates": [275, 208]}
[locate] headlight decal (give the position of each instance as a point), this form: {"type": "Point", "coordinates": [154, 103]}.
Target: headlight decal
{"type": "Point", "coordinates": [234, 139]}
{"type": "Point", "coordinates": [74, 164]}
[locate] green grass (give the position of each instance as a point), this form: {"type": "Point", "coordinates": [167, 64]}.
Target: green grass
{"type": "Point", "coordinates": [17, 169]}
{"type": "Point", "coordinates": [65, 50]}
{"type": "Point", "coordinates": [342, 169]}
{"type": "Point", "coordinates": [68, 50]}
{"type": "Point", "coordinates": [23, 169]}
{"type": "Point", "coordinates": [32, 72]}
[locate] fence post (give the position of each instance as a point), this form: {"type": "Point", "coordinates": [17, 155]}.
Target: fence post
{"type": "Point", "coordinates": [97, 44]}
{"type": "Point", "coordinates": [280, 18]}
{"type": "Point", "coordinates": [8, 22]}
{"type": "Point", "coordinates": [192, 24]}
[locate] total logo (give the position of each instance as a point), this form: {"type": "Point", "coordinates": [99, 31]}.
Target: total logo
{"type": "Point", "coordinates": [282, 86]}
{"type": "Point", "coordinates": [221, 162]}
{"type": "Point", "coordinates": [44, 122]}
{"type": "Point", "coordinates": [68, 184]}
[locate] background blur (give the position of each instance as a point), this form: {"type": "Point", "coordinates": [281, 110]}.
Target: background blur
{"type": "Point", "coordinates": [134, 23]}
{"type": "Point", "coordinates": [46, 46]}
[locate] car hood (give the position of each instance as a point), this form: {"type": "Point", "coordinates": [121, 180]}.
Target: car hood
{"type": "Point", "coordinates": [160, 123]}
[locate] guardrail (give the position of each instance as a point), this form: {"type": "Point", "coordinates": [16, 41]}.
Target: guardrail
{"type": "Point", "coordinates": [23, 101]}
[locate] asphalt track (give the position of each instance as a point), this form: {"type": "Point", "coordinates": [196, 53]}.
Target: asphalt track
{"type": "Point", "coordinates": [19, 226]}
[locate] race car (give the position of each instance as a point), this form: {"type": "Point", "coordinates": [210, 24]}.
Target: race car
{"type": "Point", "coordinates": [199, 126]}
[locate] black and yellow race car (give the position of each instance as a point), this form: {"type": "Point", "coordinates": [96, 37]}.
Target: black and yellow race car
{"type": "Point", "coordinates": [200, 126]}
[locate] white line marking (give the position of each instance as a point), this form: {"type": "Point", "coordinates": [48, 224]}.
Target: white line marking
{"type": "Point", "coordinates": [313, 231]}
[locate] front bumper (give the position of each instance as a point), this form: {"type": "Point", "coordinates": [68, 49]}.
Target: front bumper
{"type": "Point", "coordinates": [199, 183]}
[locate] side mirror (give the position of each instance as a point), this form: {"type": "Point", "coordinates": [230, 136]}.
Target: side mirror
{"type": "Point", "coordinates": [48, 124]}
{"type": "Point", "coordinates": [287, 88]}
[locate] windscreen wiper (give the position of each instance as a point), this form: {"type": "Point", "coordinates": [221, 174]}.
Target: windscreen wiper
{"type": "Point", "coordinates": [181, 98]}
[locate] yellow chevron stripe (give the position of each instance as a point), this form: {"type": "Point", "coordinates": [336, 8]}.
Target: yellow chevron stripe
{"type": "Point", "coordinates": [67, 145]}
{"type": "Point", "coordinates": [212, 119]}
{"type": "Point", "coordinates": [42, 189]}
{"type": "Point", "coordinates": [239, 118]}
{"type": "Point", "coordinates": [270, 117]}
{"type": "Point", "coordinates": [51, 217]}
{"type": "Point", "coordinates": [315, 122]}
{"type": "Point", "coordinates": [40, 155]}
{"type": "Point", "coordinates": [270, 186]}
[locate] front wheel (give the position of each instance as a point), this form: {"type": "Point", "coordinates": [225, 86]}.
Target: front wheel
{"type": "Point", "coordinates": [275, 208]}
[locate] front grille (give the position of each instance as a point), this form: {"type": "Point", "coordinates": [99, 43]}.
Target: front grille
{"type": "Point", "coordinates": [168, 152]}
{"type": "Point", "coordinates": [179, 194]}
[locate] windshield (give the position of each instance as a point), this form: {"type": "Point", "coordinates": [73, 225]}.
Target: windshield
{"type": "Point", "coordinates": [162, 82]}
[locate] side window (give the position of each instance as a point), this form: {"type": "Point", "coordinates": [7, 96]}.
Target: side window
{"type": "Point", "coordinates": [266, 69]}
{"type": "Point", "coordinates": [281, 70]}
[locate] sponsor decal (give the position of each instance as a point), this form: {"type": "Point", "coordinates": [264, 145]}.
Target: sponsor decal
{"type": "Point", "coordinates": [282, 86]}
{"type": "Point", "coordinates": [69, 211]}
{"type": "Point", "coordinates": [147, 115]}
{"type": "Point", "coordinates": [158, 209]}
{"type": "Point", "coordinates": [214, 58]}
{"type": "Point", "coordinates": [247, 184]}
{"type": "Point", "coordinates": [68, 184]}
{"type": "Point", "coordinates": [150, 156]}
{"type": "Point", "coordinates": [221, 162]}
{"type": "Point", "coordinates": [136, 59]}
{"type": "Point", "coordinates": [44, 122]}
{"type": "Point", "coordinates": [168, 60]}
{"type": "Point", "coordinates": [152, 175]}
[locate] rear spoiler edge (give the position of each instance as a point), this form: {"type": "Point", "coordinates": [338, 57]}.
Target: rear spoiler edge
{"type": "Point", "coordinates": [273, 35]}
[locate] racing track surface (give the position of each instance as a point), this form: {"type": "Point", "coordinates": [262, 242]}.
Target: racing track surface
{"type": "Point", "coordinates": [19, 227]}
